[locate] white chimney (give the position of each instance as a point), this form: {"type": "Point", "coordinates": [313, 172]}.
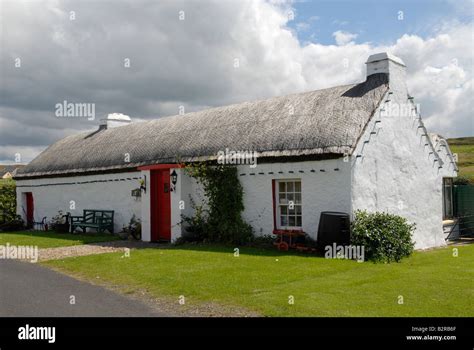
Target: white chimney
{"type": "Point", "coordinates": [114, 120]}
{"type": "Point", "coordinates": [387, 63]}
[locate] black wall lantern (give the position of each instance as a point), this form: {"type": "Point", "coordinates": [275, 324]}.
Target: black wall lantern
{"type": "Point", "coordinates": [174, 179]}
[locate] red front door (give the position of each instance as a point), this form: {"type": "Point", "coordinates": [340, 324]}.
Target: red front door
{"type": "Point", "coordinates": [30, 207]}
{"type": "Point", "coordinates": [160, 205]}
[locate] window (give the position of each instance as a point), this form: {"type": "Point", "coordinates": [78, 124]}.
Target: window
{"type": "Point", "coordinates": [447, 198]}
{"type": "Point", "coordinates": [288, 206]}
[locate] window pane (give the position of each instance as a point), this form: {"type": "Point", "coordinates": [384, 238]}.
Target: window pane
{"type": "Point", "coordinates": [291, 221]}
{"type": "Point", "coordinates": [282, 198]}
{"type": "Point", "coordinates": [281, 187]}
{"type": "Point", "coordinates": [290, 197]}
{"type": "Point", "coordinates": [449, 203]}
{"type": "Point", "coordinates": [298, 221]}
{"type": "Point", "coordinates": [298, 209]}
{"type": "Point", "coordinates": [283, 210]}
{"type": "Point", "coordinates": [291, 211]}
{"type": "Point", "coordinates": [289, 187]}
{"type": "Point", "coordinates": [284, 220]}
{"type": "Point", "coordinates": [297, 186]}
{"type": "Point", "coordinates": [298, 198]}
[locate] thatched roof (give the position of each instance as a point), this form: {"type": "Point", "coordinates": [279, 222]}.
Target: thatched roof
{"type": "Point", "coordinates": [327, 121]}
{"type": "Point", "coordinates": [12, 169]}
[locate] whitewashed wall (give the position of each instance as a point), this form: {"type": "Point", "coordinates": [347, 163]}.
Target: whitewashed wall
{"type": "Point", "coordinates": [59, 192]}
{"type": "Point", "coordinates": [321, 191]}
{"type": "Point", "coordinates": [442, 148]}
{"type": "Point", "coordinates": [180, 203]}
{"type": "Point", "coordinates": [397, 173]}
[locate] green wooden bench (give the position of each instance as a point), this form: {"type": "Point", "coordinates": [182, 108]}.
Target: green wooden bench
{"type": "Point", "coordinates": [101, 220]}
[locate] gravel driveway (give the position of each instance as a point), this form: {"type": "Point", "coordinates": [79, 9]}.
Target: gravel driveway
{"type": "Point", "coordinates": [90, 249]}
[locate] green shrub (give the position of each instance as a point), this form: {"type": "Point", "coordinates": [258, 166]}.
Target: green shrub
{"type": "Point", "coordinates": [7, 201]}
{"type": "Point", "coordinates": [462, 180]}
{"type": "Point", "coordinates": [60, 223]}
{"type": "Point", "coordinates": [133, 230]}
{"type": "Point", "coordinates": [385, 237]}
{"type": "Point", "coordinates": [16, 224]}
{"type": "Point", "coordinates": [265, 241]}
{"type": "Point", "coordinates": [196, 225]}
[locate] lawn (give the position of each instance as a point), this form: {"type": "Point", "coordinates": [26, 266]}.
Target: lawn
{"type": "Point", "coordinates": [464, 147]}
{"type": "Point", "coordinates": [50, 239]}
{"type": "Point", "coordinates": [431, 283]}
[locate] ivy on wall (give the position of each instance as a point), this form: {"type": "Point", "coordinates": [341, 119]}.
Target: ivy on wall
{"type": "Point", "coordinates": [221, 219]}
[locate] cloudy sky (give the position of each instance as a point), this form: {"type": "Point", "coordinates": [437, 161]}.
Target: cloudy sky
{"type": "Point", "coordinates": [146, 59]}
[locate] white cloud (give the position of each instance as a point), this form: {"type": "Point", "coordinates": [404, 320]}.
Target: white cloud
{"type": "Point", "coordinates": [440, 75]}
{"type": "Point", "coordinates": [302, 26]}
{"type": "Point", "coordinates": [340, 22]}
{"type": "Point", "coordinates": [343, 38]}
{"type": "Point", "coordinates": [191, 63]}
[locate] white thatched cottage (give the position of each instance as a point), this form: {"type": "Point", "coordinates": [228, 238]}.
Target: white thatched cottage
{"type": "Point", "coordinates": [359, 146]}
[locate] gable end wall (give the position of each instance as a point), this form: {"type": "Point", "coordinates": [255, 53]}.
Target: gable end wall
{"type": "Point", "coordinates": [397, 173]}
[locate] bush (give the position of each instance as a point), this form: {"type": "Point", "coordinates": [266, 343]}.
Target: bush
{"type": "Point", "coordinates": [60, 222]}
{"type": "Point", "coordinates": [462, 180]}
{"type": "Point", "coordinates": [385, 237]}
{"type": "Point", "coordinates": [133, 230]}
{"type": "Point", "coordinates": [265, 241]}
{"type": "Point", "coordinates": [7, 201]}
{"type": "Point", "coordinates": [196, 225]}
{"type": "Point", "coordinates": [17, 224]}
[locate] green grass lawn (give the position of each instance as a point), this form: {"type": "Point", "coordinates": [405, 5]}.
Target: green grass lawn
{"type": "Point", "coordinates": [432, 283]}
{"type": "Point", "coordinates": [464, 147]}
{"type": "Point", "coordinates": [49, 239]}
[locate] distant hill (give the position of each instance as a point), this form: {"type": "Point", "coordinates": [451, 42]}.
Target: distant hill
{"type": "Point", "coordinates": [462, 141]}
{"type": "Point", "coordinates": [464, 147]}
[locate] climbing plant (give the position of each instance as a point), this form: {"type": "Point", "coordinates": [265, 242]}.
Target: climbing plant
{"type": "Point", "coordinates": [222, 222]}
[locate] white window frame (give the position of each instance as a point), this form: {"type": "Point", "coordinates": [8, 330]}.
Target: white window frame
{"type": "Point", "coordinates": [288, 194]}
